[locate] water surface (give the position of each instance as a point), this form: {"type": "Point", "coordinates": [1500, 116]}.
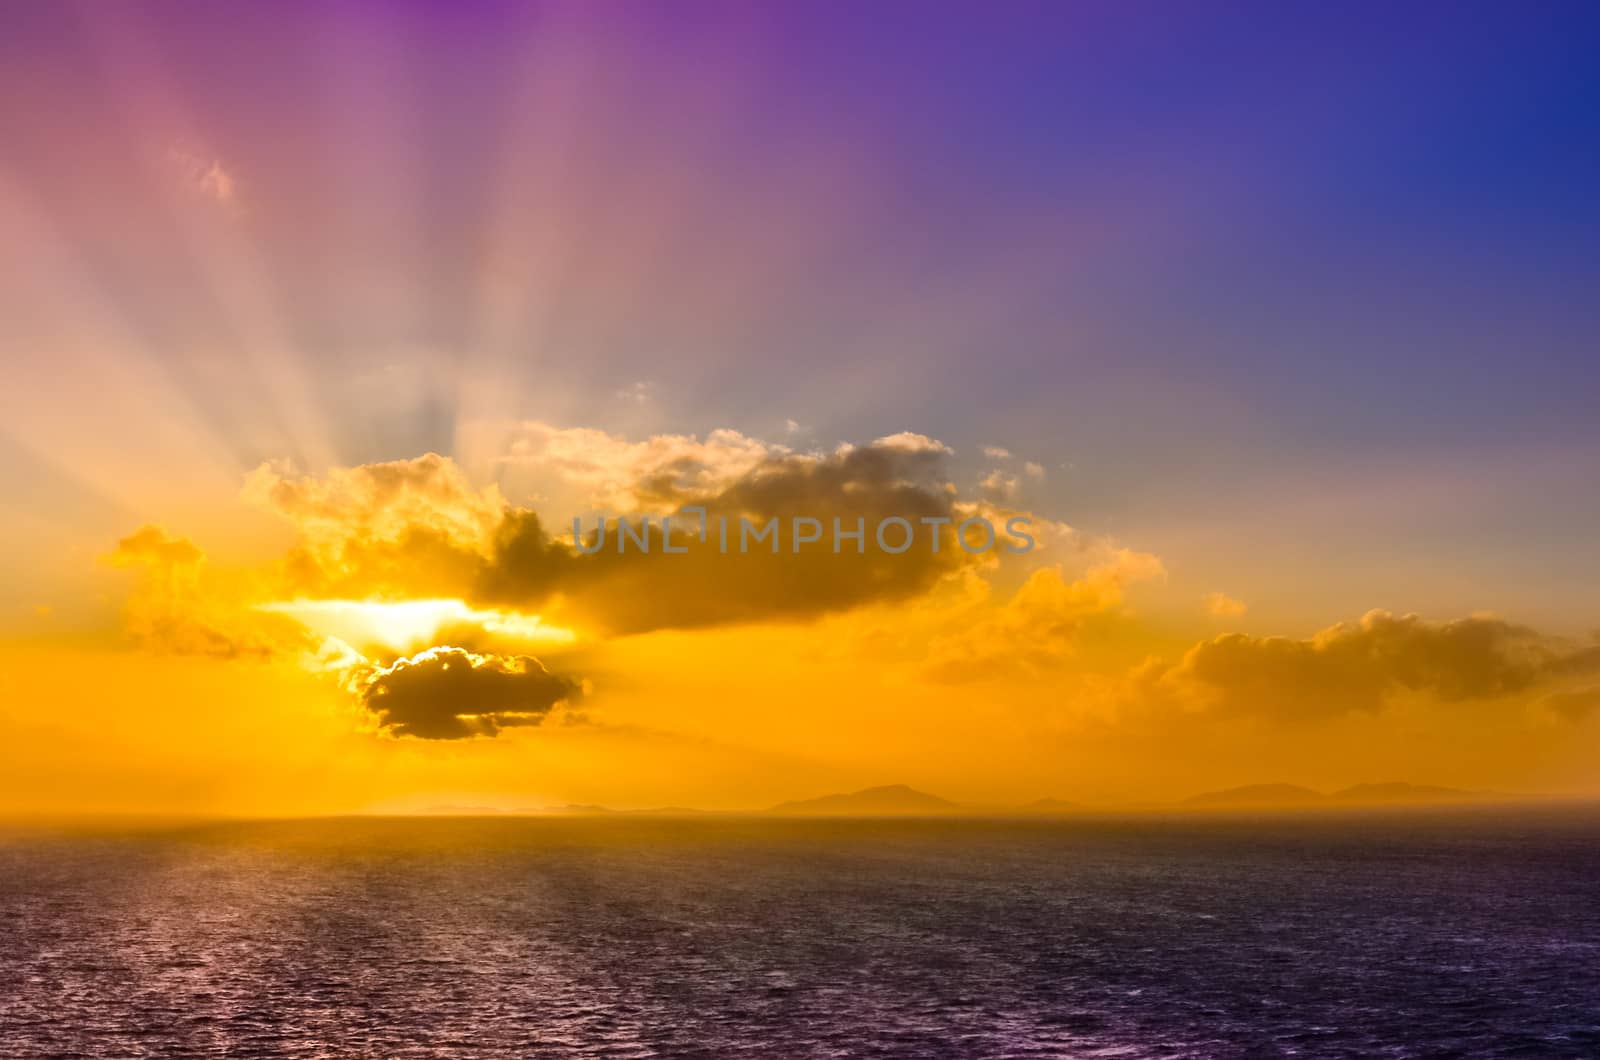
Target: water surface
{"type": "Point", "coordinates": [1434, 935]}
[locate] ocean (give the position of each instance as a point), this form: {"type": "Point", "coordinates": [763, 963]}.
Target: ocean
{"type": "Point", "coordinates": [1383, 935]}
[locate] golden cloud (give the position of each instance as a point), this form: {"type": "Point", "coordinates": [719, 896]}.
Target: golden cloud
{"type": "Point", "coordinates": [1359, 668]}
{"type": "Point", "coordinates": [404, 528]}
{"type": "Point", "coordinates": [424, 590]}
{"type": "Point", "coordinates": [175, 608]}
{"type": "Point", "coordinates": [656, 474]}
{"type": "Point", "coordinates": [1221, 605]}
{"type": "Point", "coordinates": [418, 528]}
{"type": "Point", "coordinates": [1034, 632]}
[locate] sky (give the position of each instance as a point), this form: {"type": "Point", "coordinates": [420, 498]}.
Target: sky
{"type": "Point", "coordinates": [320, 324]}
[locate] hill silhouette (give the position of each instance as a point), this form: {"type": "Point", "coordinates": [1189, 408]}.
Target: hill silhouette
{"type": "Point", "coordinates": [889, 800]}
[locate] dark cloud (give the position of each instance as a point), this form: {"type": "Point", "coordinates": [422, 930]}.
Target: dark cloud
{"type": "Point", "coordinates": [525, 562]}
{"type": "Point", "coordinates": [631, 591]}
{"type": "Point", "coordinates": [452, 694]}
{"type": "Point", "coordinates": [1357, 668]}
{"type": "Point", "coordinates": [1574, 705]}
{"type": "Point", "coordinates": [421, 530]}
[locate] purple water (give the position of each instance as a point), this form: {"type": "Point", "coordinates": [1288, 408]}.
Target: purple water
{"type": "Point", "coordinates": [1387, 935]}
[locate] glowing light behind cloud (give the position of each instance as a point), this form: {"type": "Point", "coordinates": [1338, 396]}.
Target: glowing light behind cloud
{"type": "Point", "coordinates": [406, 625]}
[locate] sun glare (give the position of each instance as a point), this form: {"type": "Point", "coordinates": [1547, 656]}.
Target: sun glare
{"type": "Point", "coordinates": [403, 625]}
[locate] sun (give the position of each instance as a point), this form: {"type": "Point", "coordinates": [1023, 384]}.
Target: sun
{"type": "Point", "coordinates": [407, 625]}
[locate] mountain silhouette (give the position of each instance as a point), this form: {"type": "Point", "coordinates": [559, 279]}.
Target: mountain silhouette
{"type": "Point", "coordinates": [891, 800]}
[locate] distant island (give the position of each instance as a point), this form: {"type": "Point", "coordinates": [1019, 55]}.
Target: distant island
{"type": "Point", "coordinates": [889, 800]}
{"type": "Point", "coordinates": [902, 800]}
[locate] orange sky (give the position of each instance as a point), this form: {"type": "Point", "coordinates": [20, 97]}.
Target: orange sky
{"type": "Point", "coordinates": [412, 639]}
{"type": "Point", "coordinates": [319, 328]}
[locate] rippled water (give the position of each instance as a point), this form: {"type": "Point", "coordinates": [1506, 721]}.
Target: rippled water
{"type": "Point", "coordinates": [1385, 936]}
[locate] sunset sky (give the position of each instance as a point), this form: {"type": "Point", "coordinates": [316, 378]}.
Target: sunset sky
{"type": "Point", "coordinates": [320, 323]}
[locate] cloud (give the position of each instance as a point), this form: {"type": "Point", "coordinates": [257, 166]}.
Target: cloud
{"type": "Point", "coordinates": [656, 474]}
{"type": "Point", "coordinates": [180, 608]}
{"type": "Point", "coordinates": [1348, 669]}
{"type": "Point", "coordinates": [422, 590]}
{"type": "Point", "coordinates": [1035, 631]}
{"type": "Point", "coordinates": [403, 528]}
{"type": "Point", "coordinates": [428, 492]}
{"type": "Point", "coordinates": [998, 486]}
{"type": "Point", "coordinates": [637, 393]}
{"type": "Point", "coordinates": [1221, 605]}
{"type": "Point", "coordinates": [1030, 468]}
{"type": "Point", "coordinates": [152, 547]}
{"type": "Point", "coordinates": [851, 487]}
{"type": "Point", "coordinates": [176, 608]}
{"type": "Point", "coordinates": [1574, 705]}
{"type": "Point", "coordinates": [216, 182]}
{"type": "Point", "coordinates": [911, 442]}
{"type": "Point", "coordinates": [452, 694]}
{"type": "Point", "coordinates": [418, 528]}
{"type": "Point", "coordinates": [203, 176]}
